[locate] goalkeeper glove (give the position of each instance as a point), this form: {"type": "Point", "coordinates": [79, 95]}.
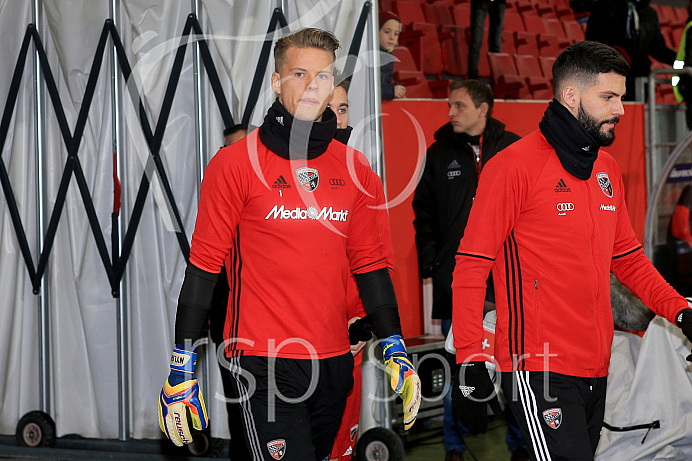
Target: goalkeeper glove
{"type": "Point", "coordinates": [181, 395]}
{"type": "Point", "coordinates": [472, 392]}
{"type": "Point", "coordinates": [403, 377]}
{"type": "Point", "coordinates": [684, 321]}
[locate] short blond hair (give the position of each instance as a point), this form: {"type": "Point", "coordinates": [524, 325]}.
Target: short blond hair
{"type": "Point", "coordinates": [307, 37]}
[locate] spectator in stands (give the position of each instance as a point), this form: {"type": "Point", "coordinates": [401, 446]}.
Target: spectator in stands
{"type": "Point", "coordinates": [632, 27]}
{"type": "Point", "coordinates": [480, 9]}
{"type": "Point", "coordinates": [683, 88]}
{"type": "Point", "coordinates": [390, 28]}
{"type": "Point", "coordinates": [442, 203]}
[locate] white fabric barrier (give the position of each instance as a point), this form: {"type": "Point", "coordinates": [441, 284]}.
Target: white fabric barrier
{"type": "Point", "coordinates": [82, 317]}
{"type": "Point", "coordinates": [649, 379]}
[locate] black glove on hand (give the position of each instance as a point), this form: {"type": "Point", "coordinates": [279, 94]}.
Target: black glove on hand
{"type": "Point", "coordinates": [360, 330]}
{"type": "Point", "coordinates": [684, 321]}
{"type": "Point", "coordinates": [472, 392]}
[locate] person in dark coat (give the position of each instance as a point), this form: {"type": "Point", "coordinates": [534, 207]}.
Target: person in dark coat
{"type": "Point", "coordinates": [442, 203]}
{"type": "Point", "coordinates": [390, 28]}
{"type": "Point", "coordinates": [632, 27]}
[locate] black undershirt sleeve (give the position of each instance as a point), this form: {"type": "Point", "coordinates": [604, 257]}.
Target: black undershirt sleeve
{"type": "Point", "coordinates": [379, 300]}
{"type": "Point", "coordinates": [194, 303]}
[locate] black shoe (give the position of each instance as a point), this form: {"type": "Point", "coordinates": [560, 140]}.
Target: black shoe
{"type": "Point", "coordinates": [454, 455]}
{"type": "Point", "coordinates": [520, 454]}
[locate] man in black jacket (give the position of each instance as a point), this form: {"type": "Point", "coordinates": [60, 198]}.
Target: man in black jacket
{"type": "Point", "coordinates": [442, 203]}
{"type": "Point", "coordinates": [631, 27]}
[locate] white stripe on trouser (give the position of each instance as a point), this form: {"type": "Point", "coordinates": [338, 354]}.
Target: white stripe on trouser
{"type": "Point", "coordinates": [244, 397]}
{"type": "Point", "coordinates": [528, 402]}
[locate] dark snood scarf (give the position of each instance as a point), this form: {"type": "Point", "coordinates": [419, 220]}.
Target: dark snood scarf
{"type": "Point", "coordinates": [291, 138]}
{"type": "Point", "coordinates": [576, 149]}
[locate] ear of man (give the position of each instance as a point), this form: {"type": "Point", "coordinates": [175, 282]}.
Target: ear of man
{"type": "Point", "coordinates": [484, 109]}
{"type": "Point", "coordinates": [276, 83]}
{"type": "Point", "coordinates": [570, 97]}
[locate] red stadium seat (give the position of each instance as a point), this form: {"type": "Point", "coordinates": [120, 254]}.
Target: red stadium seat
{"type": "Point", "coordinates": [462, 14]}
{"type": "Point", "coordinates": [548, 45]}
{"type": "Point", "coordinates": [553, 26]}
{"type": "Point", "coordinates": [546, 10]}
{"type": "Point", "coordinates": [420, 37]}
{"type": "Point", "coordinates": [534, 24]}
{"type": "Point", "coordinates": [525, 7]}
{"type": "Point", "coordinates": [508, 44]}
{"type": "Point", "coordinates": [403, 59]}
{"type": "Point", "coordinates": [573, 31]}
{"type": "Point", "coordinates": [449, 35]}
{"type": "Point", "coordinates": [525, 43]}
{"type": "Point", "coordinates": [529, 68]}
{"type": "Point", "coordinates": [453, 55]}
{"type": "Point", "coordinates": [666, 15]}
{"type": "Point", "coordinates": [513, 22]}
{"type": "Point", "coordinates": [681, 16]}
{"type": "Point", "coordinates": [667, 33]}
{"type": "Point", "coordinates": [547, 66]}
{"type": "Point", "coordinates": [417, 85]}
{"type": "Point", "coordinates": [439, 14]}
{"type": "Point", "coordinates": [564, 12]}
{"type": "Point", "coordinates": [507, 83]}
{"type": "Point", "coordinates": [676, 36]}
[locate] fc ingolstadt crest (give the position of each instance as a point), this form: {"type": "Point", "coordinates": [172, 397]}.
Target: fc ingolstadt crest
{"type": "Point", "coordinates": [604, 182]}
{"type": "Point", "coordinates": [277, 448]}
{"type": "Point", "coordinates": [553, 417]}
{"type": "Point", "coordinates": [309, 178]}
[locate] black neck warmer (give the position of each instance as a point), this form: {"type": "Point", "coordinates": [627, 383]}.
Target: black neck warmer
{"type": "Point", "coordinates": [342, 134]}
{"type": "Point", "coordinates": [576, 149]}
{"type": "Point", "coordinates": [290, 138]}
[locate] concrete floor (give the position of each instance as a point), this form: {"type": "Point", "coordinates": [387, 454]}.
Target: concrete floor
{"type": "Point", "coordinates": [423, 444]}
{"type": "Point", "coordinates": [427, 445]}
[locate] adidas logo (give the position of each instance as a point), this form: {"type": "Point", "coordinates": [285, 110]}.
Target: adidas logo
{"type": "Point", "coordinates": [281, 183]}
{"type": "Point", "coordinates": [466, 390]}
{"type": "Point", "coordinates": [453, 165]}
{"type": "Point", "coordinates": [280, 119]}
{"type": "Point", "coordinates": [562, 187]}
{"type": "Point", "coordinates": [585, 148]}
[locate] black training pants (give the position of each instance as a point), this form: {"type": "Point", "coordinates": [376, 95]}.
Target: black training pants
{"type": "Point", "coordinates": [560, 416]}
{"type": "Point", "coordinates": [294, 407]}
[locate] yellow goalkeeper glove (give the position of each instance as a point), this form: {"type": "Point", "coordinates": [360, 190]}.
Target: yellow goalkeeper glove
{"type": "Point", "coordinates": [403, 377]}
{"type": "Point", "coordinates": [181, 395]}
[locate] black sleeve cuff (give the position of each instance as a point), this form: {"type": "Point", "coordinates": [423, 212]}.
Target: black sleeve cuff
{"type": "Point", "coordinates": [193, 304]}
{"type": "Point", "coordinates": [379, 300]}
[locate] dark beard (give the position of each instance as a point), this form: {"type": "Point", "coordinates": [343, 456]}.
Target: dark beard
{"type": "Point", "coordinates": [593, 127]}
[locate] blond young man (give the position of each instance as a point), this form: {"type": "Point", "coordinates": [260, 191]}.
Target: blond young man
{"type": "Point", "coordinates": [294, 238]}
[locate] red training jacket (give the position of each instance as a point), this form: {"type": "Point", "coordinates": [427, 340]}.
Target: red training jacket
{"type": "Point", "coordinates": [295, 230]}
{"type": "Point", "coordinates": [551, 240]}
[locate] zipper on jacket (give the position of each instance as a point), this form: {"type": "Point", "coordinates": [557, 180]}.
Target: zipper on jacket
{"type": "Point", "coordinates": [598, 277]}
{"type": "Point", "coordinates": [477, 156]}
{"type": "Point", "coordinates": [537, 309]}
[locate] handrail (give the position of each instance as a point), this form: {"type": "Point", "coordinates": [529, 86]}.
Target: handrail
{"type": "Point", "coordinates": [651, 126]}
{"type": "Point", "coordinates": [653, 189]}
